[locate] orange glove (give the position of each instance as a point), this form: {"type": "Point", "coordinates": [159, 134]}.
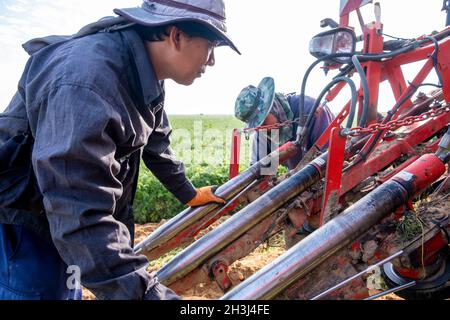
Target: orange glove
{"type": "Point", "coordinates": [205, 195]}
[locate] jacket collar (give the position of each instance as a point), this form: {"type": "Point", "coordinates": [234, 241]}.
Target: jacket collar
{"type": "Point", "coordinates": [150, 87]}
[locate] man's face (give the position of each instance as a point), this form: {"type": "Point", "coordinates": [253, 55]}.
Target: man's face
{"type": "Point", "coordinates": [194, 55]}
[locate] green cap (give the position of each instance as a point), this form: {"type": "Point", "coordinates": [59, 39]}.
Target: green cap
{"type": "Point", "coordinates": [254, 104]}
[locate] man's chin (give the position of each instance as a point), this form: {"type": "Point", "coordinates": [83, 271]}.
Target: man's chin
{"type": "Point", "coordinates": [185, 82]}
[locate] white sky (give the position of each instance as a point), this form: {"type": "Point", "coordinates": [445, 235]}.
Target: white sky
{"type": "Point", "coordinates": [272, 35]}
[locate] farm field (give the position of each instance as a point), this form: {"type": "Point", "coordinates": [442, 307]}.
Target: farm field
{"type": "Point", "coordinates": [203, 144]}
{"type": "Point", "coordinates": [206, 139]}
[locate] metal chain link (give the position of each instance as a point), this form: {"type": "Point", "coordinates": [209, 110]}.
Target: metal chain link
{"type": "Point", "coordinates": [395, 124]}
{"type": "Point", "coordinates": [374, 128]}
{"type": "Point", "coordinates": [271, 126]}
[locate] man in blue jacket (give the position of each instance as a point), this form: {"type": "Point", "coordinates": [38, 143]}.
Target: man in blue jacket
{"type": "Point", "coordinates": [262, 106]}
{"type": "Point", "coordinates": [94, 104]}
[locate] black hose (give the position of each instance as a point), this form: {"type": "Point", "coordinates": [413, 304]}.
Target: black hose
{"type": "Point", "coordinates": [434, 57]}
{"type": "Point", "coordinates": [305, 78]}
{"type": "Point", "coordinates": [378, 57]}
{"type": "Point", "coordinates": [412, 46]}
{"type": "Point", "coordinates": [366, 91]}
{"type": "Point", "coordinates": [352, 113]}
{"type": "Point", "coordinates": [361, 57]}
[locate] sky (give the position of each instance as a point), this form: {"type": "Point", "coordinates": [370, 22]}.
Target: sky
{"type": "Point", "coordinates": [273, 37]}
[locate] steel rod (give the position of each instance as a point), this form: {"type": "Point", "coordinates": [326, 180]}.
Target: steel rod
{"type": "Point", "coordinates": [396, 289]}
{"type": "Point", "coordinates": [370, 268]}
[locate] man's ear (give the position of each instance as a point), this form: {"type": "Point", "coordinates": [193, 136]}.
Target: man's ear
{"type": "Point", "coordinates": [175, 36]}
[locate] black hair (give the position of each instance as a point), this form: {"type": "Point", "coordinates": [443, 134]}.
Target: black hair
{"type": "Point", "coordinates": [192, 29]}
{"type": "Point", "coordinates": [151, 34]}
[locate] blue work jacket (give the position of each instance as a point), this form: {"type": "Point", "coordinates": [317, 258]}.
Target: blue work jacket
{"type": "Point", "coordinates": [95, 108]}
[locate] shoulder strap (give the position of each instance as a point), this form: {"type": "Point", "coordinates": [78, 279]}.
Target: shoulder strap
{"type": "Point", "coordinates": [106, 24]}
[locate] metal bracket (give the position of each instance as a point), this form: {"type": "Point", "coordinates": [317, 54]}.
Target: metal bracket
{"type": "Point", "coordinates": [219, 271]}
{"type": "Point", "coordinates": [333, 175]}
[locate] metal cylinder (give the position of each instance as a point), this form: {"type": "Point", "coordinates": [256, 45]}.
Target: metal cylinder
{"type": "Point", "coordinates": [226, 233]}
{"type": "Point", "coordinates": [189, 216]}
{"type": "Point", "coordinates": [321, 244]}
{"type": "Point", "coordinates": [337, 233]}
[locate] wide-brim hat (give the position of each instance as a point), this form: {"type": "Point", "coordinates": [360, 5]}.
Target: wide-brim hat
{"type": "Point", "coordinates": [153, 13]}
{"type": "Point", "coordinates": [253, 104]}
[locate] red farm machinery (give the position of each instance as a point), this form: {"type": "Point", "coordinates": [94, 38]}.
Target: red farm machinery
{"type": "Point", "coordinates": [377, 198]}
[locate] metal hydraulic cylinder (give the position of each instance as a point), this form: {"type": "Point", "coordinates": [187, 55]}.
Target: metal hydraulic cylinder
{"type": "Point", "coordinates": [191, 215]}
{"type": "Point", "coordinates": [196, 254]}
{"type": "Point", "coordinates": [334, 235]}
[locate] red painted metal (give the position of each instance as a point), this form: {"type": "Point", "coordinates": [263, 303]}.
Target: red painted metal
{"type": "Point", "coordinates": [444, 69]}
{"type": "Point", "coordinates": [347, 6]}
{"type": "Point", "coordinates": [286, 151]}
{"type": "Point", "coordinates": [385, 153]}
{"type": "Point", "coordinates": [335, 91]}
{"type": "Point", "coordinates": [336, 154]}
{"type": "Point", "coordinates": [382, 178]}
{"type": "Point", "coordinates": [219, 271]}
{"type": "Point", "coordinates": [431, 249]}
{"type": "Point", "coordinates": [396, 79]}
{"type": "Point", "coordinates": [324, 138]}
{"type": "Point", "coordinates": [424, 171]}
{"type": "Point", "coordinates": [381, 158]}
{"type": "Point", "coordinates": [374, 45]}
{"type": "Point", "coordinates": [389, 152]}
{"type": "Point", "coordinates": [423, 257]}
{"type": "Point", "coordinates": [421, 76]}
{"type": "Point", "coordinates": [235, 153]}
{"type": "Point", "coordinates": [344, 20]}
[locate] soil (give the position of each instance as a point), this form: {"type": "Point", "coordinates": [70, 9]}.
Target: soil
{"type": "Point", "coordinates": [238, 272]}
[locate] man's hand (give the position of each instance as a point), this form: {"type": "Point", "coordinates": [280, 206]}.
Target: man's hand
{"type": "Point", "coordinates": [205, 195]}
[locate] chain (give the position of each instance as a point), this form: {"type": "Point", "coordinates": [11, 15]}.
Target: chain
{"type": "Point", "coordinates": [271, 126]}
{"type": "Point", "coordinates": [374, 128]}
{"type": "Point", "coordinates": [395, 124]}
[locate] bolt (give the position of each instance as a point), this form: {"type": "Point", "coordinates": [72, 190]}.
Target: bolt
{"type": "Point", "coordinates": [345, 132]}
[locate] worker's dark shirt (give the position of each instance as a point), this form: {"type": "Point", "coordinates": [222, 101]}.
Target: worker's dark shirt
{"type": "Point", "coordinates": [95, 108]}
{"type": "Point", "coordinates": [262, 145]}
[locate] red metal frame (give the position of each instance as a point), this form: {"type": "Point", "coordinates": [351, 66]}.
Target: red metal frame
{"type": "Point", "coordinates": [337, 182]}
{"type": "Point", "coordinates": [235, 153]}
{"type": "Point", "coordinates": [377, 72]}
{"type": "Point", "coordinates": [390, 70]}
{"type": "Point", "coordinates": [334, 174]}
